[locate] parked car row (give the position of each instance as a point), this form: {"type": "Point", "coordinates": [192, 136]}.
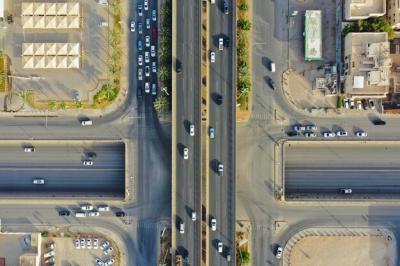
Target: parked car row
{"type": "Point", "coordinates": [91, 211]}
{"type": "Point", "coordinates": [308, 132]}
{"type": "Point", "coordinates": [359, 104]}
{"type": "Point", "coordinates": [49, 255]}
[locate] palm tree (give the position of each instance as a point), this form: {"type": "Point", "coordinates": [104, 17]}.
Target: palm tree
{"type": "Point", "coordinates": [161, 104]}
{"type": "Point", "coordinates": [163, 73]}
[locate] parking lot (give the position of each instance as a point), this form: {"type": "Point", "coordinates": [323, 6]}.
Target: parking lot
{"type": "Point", "coordinates": [321, 169]}
{"type": "Point", "coordinates": [60, 84]}
{"type": "Point", "coordinates": [67, 253]}
{"type": "Point", "coordinates": [61, 166]}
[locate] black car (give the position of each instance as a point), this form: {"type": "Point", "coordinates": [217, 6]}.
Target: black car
{"type": "Point", "coordinates": [379, 122]}
{"type": "Point", "coordinates": [120, 214]}
{"type": "Point", "coordinates": [64, 213]}
{"type": "Point", "coordinates": [271, 84]}
{"type": "Point", "coordinates": [139, 92]}
{"type": "Point", "coordinates": [293, 134]}
{"type": "Point", "coordinates": [178, 67]}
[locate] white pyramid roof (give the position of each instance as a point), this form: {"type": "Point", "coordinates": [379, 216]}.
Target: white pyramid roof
{"type": "Point", "coordinates": [39, 62]}
{"type": "Point", "coordinates": [62, 9]}
{"type": "Point", "coordinates": [73, 22]}
{"type": "Point", "coordinates": [51, 48]}
{"type": "Point", "coordinates": [62, 48]}
{"type": "Point", "coordinates": [39, 49]}
{"type": "Point", "coordinates": [27, 48]}
{"type": "Point", "coordinates": [26, 9]}
{"type": "Point", "coordinates": [62, 62]}
{"type": "Point", "coordinates": [28, 62]}
{"type": "Point", "coordinates": [51, 61]}
{"type": "Point", "coordinates": [74, 9]}
{"type": "Point", "coordinates": [62, 22]}
{"type": "Point", "coordinates": [39, 22]}
{"type": "Point", "coordinates": [27, 22]}
{"type": "Point", "coordinates": [73, 49]}
{"type": "Point", "coordinates": [39, 9]}
{"type": "Point", "coordinates": [73, 61]}
{"type": "Point", "coordinates": [51, 9]}
{"type": "Point", "coordinates": [51, 22]}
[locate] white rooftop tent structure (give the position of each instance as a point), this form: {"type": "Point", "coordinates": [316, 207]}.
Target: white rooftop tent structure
{"type": "Point", "coordinates": [43, 15]}
{"type": "Point", "coordinates": [51, 55]}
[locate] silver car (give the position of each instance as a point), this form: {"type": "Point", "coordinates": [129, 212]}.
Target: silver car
{"type": "Point", "coordinates": [147, 23]}
{"type": "Point", "coordinates": [147, 40]}
{"type": "Point", "coordinates": [154, 67]}
{"type": "Point", "coordinates": [186, 153]}
{"type": "Point", "coordinates": [140, 74]}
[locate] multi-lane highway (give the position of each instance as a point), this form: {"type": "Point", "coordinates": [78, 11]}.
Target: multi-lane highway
{"type": "Point", "coordinates": [60, 165]}
{"type": "Point", "coordinates": [222, 118]}
{"type": "Point", "coordinates": [188, 171]}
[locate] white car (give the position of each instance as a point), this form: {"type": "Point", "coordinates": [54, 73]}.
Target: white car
{"type": "Point", "coordinates": [108, 250]}
{"type": "Point", "coordinates": [132, 26]}
{"type": "Point", "coordinates": [311, 127]}
{"type": "Point", "coordinates": [310, 135]}
{"type": "Point", "coordinates": [83, 243]}
{"type": "Point", "coordinates": [212, 57]}
{"type": "Point", "coordinates": [105, 244]}
{"type": "Point", "coordinates": [186, 153]}
{"type": "Point", "coordinates": [328, 134]}
{"type": "Point", "coordinates": [94, 214]}
{"type": "Point", "coordinates": [351, 104]}
{"type": "Point", "coordinates": [103, 208]}
{"type": "Point", "coordinates": [99, 262]}
{"type": "Point", "coordinates": [220, 44]}
{"type": "Point", "coordinates": [87, 207]}
{"type": "Point", "coordinates": [154, 15]}
{"type": "Point", "coordinates": [87, 162]}
{"type": "Point", "coordinates": [147, 71]}
{"type": "Point", "coordinates": [182, 228]}
{"type": "Point", "coordinates": [95, 243]}
{"type": "Point", "coordinates": [77, 243]}
{"type": "Point", "coordinates": [38, 181]}
{"type": "Point", "coordinates": [346, 103]}
{"type": "Point", "coordinates": [371, 104]}
{"type": "Point", "coordinates": [147, 23]}
{"type": "Point", "coordinates": [140, 74]}
{"type": "Point", "coordinates": [140, 10]}
{"type": "Point", "coordinates": [191, 131]}
{"type": "Point", "coordinates": [213, 224]}
{"type": "Point", "coordinates": [359, 105]}
{"type": "Point", "coordinates": [110, 261]}
{"type": "Point", "coordinates": [147, 87]}
{"type": "Point", "coordinates": [140, 60]}
{"type": "Point", "coordinates": [89, 243]}
{"type": "Point", "coordinates": [153, 51]}
{"type": "Point", "coordinates": [146, 57]}
{"type": "Point", "coordinates": [29, 149]}
{"type": "Point", "coordinates": [299, 128]}
{"type": "Point", "coordinates": [154, 66]}
{"type": "Point", "coordinates": [341, 133]}
{"type": "Point", "coordinates": [194, 216]}
{"type": "Point", "coordinates": [220, 168]}
{"type": "Point", "coordinates": [346, 190]}
{"type": "Point", "coordinates": [361, 134]}
{"type": "Point", "coordinates": [220, 246]}
{"type": "Point", "coordinates": [278, 253]}
{"type": "Point", "coordinates": [146, 4]}
{"type": "Point", "coordinates": [87, 123]}
{"type": "Point", "coordinates": [147, 40]}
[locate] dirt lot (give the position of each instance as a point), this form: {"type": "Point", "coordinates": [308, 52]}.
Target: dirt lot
{"type": "Point", "coordinates": [343, 250]}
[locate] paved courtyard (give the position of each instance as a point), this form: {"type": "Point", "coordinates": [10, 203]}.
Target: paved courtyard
{"type": "Point", "coordinates": [59, 84]}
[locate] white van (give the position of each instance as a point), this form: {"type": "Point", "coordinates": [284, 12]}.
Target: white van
{"type": "Point", "coordinates": [80, 214]}
{"type": "Point", "coordinates": [272, 66]}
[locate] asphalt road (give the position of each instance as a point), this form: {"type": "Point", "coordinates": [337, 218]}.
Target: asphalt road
{"type": "Point", "coordinates": [222, 148]}
{"type": "Point", "coordinates": [188, 172]}
{"type": "Point", "coordinates": [319, 168]}
{"type": "Point", "coordinates": [60, 164]}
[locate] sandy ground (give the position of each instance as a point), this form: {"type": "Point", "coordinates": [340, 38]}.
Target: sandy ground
{"type": "Point", "coordinates": [343, 250]}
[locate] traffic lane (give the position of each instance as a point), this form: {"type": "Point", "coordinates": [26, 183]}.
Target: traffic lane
{"type": "Point", "coordinates": [366, 180]}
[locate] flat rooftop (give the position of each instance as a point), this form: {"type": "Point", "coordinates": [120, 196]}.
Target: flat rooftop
{"type": "Point", "coordinates": [313, 36]}
{"type": "Point", "coordinates": [366, 8]}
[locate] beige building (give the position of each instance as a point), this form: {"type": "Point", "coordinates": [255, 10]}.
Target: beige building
{"type": "Point", "coordinates": [367, 64]}
{"type": "Point", "coordinates": [363, 9]}
{"type": "Point", "coordinates": [393, 13]}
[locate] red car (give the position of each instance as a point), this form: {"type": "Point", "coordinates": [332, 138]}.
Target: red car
{"type": "Point", "coordinates": [154, 32]}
